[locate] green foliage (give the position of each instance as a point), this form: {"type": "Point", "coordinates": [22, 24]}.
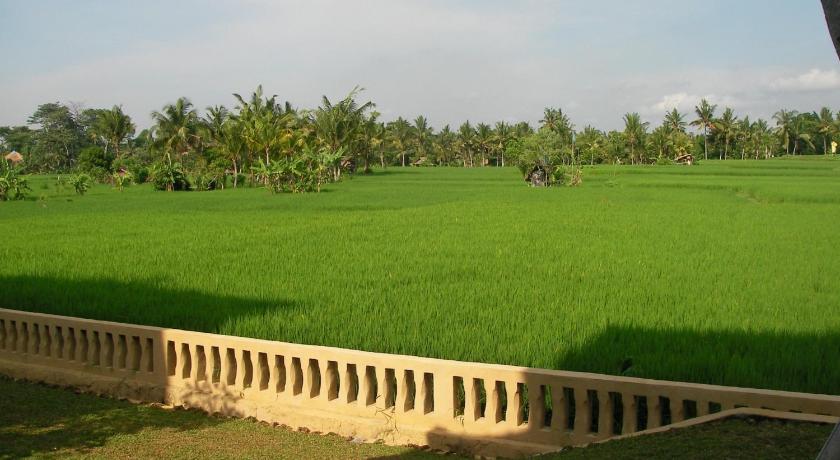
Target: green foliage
{"type": "Point", "coordinates": [95, 161]}
{"type": "Point", "coordinates": [169, 176]}
{"type": "Point", "coordinates": [81, 183]}
{"type": "Point", "coordinates": [122, 179]}
{"type": "Point", "coordinates": [542, 159]}
{"type": "Point", "coordinates": [13, 186]}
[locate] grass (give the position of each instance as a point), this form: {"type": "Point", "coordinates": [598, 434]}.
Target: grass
{"type": "Point", "coordinates": [732, 439]}
{"type": "Point", "coordinates": [39, 421]}
{"type": "Point", "coordinates": [723, 273]}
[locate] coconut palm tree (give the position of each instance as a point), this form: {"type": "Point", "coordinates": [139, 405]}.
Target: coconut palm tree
{"type": "Point", "coordinates": [466, 143]}
{"type": "Point", "coordinates": [484, 140]}
{"type": "Point", "coordinates": [725, 126]}
{"type": "Point", "coordinates": [705, 117]}
{"type": "Point", "coordinates": [827, 127]}
{"type": "Point", "coordinates": [399, 136]}
{"type": "Point", "coordinates": [422, 135]}
{"type": "Point", "coordinates": [634, 133]}
{"type": "Point", "coordinates": [674, 121]}
{"type": "Point", "coordinates": [502, 135]}
{"type": "Point", "coordinates": [591, 142]}
{"type": "Point", "coordinates": [784, 125]}
{"type": "Point", "coordinates": [742, 134]}
{"type": "Point", "coordinates": [115, 126]}
{"type": "Point", "coordinates": [176, 127]}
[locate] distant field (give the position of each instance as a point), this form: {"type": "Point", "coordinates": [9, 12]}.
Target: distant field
{"type": "Point", "coordinates": [724, 272]}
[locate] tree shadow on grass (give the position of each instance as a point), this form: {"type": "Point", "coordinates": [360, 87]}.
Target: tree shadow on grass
{"type": "Point", "coordinates": [805, 362]}
{"type": "Point", "coordinates": [135, 302]}
{"type": "Point", "coordinates": [38, 420]}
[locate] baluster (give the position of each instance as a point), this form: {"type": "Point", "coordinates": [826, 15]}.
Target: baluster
{"type": "Point", "coordinates": [22, 337]}
{"type": "Point", "coordinates": [197, 373]}
{"type": "Point", "coordinates": [382, 388]}
{"type": "Point", "coordinates": [57, 342]}
{"type": "Point", "coordinates": [69, 352]}
{"type": "Point", "coordinates": [536, 406]}
{"type": "Point", "coordinates": [702, 407]}
{"type": "Point", "coordinates": [630, 419]}
{"type": "Point", "coordinates": [677, 410]}
{"type": "Point", "coordinates": [34, 339]}
{"type": "Point", "coordinates": [583, 412]}
{"type": "Point", "coordinates": [605, 414]}
{"type": "Point", "coordinates": [492, 411]}
{"type": "Point", "coordinates": [470, 400]}
{"type": "Point", "coordinates": [238, 355]}
{"type": "Point", "coordinates": [559, 417]}
{"type": "Point", "coordinates": [654, 418]}
{"type": "Point", "coordinates": [513, 402]}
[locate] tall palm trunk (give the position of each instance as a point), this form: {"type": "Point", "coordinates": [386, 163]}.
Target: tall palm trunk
{"type": "Point", "coordinates": [705, 142]}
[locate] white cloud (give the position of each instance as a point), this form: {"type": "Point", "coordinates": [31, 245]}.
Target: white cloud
{"type": "Point", "coordinates": [685, 102]}
{"type": "Point", "coordinates": [812, 80]}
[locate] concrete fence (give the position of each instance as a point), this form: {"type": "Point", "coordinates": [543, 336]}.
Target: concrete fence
{"type": "Point", "coordinates": [470, 407]}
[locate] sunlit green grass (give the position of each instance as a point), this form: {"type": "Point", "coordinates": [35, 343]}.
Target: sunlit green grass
{"type": "Point", "coordinates": [724, 272]}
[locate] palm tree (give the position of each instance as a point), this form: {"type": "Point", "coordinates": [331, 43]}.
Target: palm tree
{"type": "Point", "coordinates": [483, 140]}
{"type": "Point", "coordinates": [421, 136]}
{"type": "Point", "coordinates": [466, 142]}
{"type": "Point", "coordinates": [176, 127]}
{"type": "Point", "coordinates": [634, 132]}
{"type": "Point", "coordinates": [674, 121]}
{"type": "Point", "coordinates": [743, 130]}
{"type": "Point", "coordinates": [705, 116]}
{"type": "Point", "coordinates": [827, 127]}
{"type": "Point", "coordinates": [784, 125]}
{"type": "Point", "coordinates": [559, 122]}
{"type": "Point", "coordinates": [799, 132]}
{"type": "Point", "coordinates": [591, 141]}
{"type": "Point", "coordinates": [445, 145]}
{"type": "Point", "coordinates": [115, 126]}
{"type": "Point", "coordinates": [502, 135]}
{"type": "Point", "coordinates": [725, 126]}
{"type": "Point", "coordinates": [399, 135]}
{"type": "Point", "coordinates": [337, 126]}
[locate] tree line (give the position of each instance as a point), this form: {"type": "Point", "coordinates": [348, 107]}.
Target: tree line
{"type": "Point", "coordinates": [262, 141]}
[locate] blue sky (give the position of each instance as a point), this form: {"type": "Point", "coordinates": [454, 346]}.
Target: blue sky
{"type": "Point", "coordinates": [448, 60]}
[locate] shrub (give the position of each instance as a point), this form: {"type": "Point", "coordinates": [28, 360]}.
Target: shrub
{"type": "Point", "coordinates": [81, 183]}
{"type": "Point", "coordinates": [121, 179]}
{"type": "Point", "coordinates": [12, 185]}
{"type": "Point", "coordinates": [169, 176]}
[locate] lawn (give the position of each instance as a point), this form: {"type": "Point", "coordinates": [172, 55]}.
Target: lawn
{"type": "Point", "coordinates": [39, 421]}
{"type": "Point", "coordinates": [723, 272]}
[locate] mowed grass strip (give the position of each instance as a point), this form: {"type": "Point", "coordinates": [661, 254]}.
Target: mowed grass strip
{"type": "Point", "coordinates": [38, 422]}
{"type": "Point", "coordinates": [722, 273]}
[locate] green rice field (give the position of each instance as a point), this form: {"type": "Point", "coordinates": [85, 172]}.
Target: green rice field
{"type": "Point", "coordinates": [722, 272]}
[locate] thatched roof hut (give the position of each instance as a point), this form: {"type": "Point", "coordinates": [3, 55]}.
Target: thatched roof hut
{"type": "Point", "coordinates": [14, 157]}
{"type": "Point", "coordinates": [537, 177]}
{"type": "Point", "coordinates": [685, 159]}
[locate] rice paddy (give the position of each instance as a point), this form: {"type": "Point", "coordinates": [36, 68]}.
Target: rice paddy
{"type": "Point", "coordinates": [723, 272]}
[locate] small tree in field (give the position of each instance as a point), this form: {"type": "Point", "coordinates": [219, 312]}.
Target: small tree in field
{"type": "Point", "coordinates": [80, 183]}
{"type": "Point", "coordinates": [541, 158]}
{"type": "Point", "coordinates": [12, 185]}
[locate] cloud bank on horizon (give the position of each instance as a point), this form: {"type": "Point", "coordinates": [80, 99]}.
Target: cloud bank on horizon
{"type": "Point", "coordinates": [451, 61]}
